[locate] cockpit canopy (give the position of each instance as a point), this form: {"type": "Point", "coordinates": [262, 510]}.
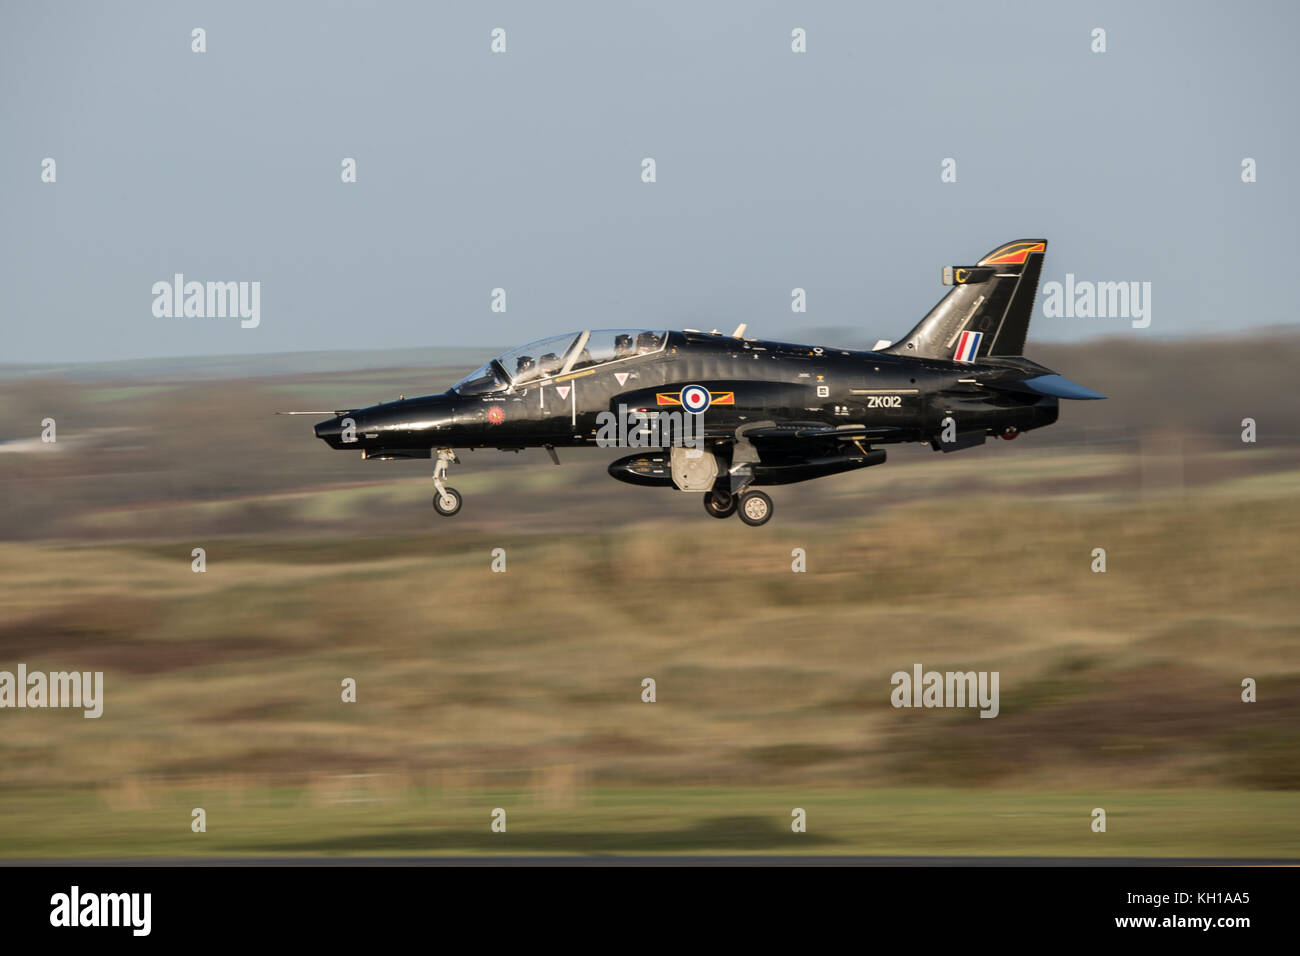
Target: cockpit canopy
{"type": "Point", "coordinates": [559, 355]}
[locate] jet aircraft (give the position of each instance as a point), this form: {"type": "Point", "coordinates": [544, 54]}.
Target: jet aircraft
{"type": "Point", "coordinates": [753, 413]}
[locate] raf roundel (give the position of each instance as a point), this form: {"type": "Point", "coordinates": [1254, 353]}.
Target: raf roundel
{"type": "Point", "coordinates": [695, 399]}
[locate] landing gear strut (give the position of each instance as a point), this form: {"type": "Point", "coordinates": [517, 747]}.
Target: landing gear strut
{"type": "Point", "coordinates": [753, 507]}
{"type": "Point", "coordinates": [447, 501]}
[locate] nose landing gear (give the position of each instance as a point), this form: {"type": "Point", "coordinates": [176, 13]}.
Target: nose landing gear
{"type": "Point", "coordinates": [447, 501]}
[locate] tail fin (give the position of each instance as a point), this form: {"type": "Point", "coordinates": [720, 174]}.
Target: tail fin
{"type": "Point", "coordinates": [988, 310]}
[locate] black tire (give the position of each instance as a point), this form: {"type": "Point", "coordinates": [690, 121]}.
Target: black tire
{"type": "Point", "coordinates": [755, 508]}
{"type": "Point", "coordinates": [447, 510]}
{"type": "Point", "coordinates": [711, 505]}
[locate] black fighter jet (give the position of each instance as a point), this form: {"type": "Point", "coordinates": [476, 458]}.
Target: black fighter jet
{"type": "Point", "coordinates": [723, 415]}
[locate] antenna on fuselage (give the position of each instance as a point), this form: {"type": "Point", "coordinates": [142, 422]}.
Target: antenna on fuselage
{"type": "Point", "coordinates": [740, 330]}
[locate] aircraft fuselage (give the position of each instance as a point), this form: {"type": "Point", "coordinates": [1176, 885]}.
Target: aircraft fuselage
{"type": "Point", "coordinates": [743, 412]}
{"type": "Point", "coordinates": [751, 381]}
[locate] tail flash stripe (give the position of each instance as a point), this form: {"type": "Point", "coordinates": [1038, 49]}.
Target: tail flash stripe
{"type": "Point", "coordinates": [968, 346]}
{"type": "Point", "coordinates": [1015, 255]}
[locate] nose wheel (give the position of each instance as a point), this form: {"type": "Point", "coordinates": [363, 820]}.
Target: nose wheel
{"type": "Point", "coordinates": [447, 501]}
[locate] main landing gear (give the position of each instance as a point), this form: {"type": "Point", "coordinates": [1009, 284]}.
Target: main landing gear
{"type": "Point", "coordinates": [720, 503]}
{"type": "Point", "coordinates": [447, 501]}
{"type": "Point", "coordinates": [754, 507]}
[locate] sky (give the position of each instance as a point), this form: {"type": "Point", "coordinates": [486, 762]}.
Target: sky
{"type": "Point", "coordinates": [523, 170]}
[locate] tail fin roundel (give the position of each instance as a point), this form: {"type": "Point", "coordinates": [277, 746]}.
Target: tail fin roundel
{"type": "Point", "coordinates": [988, 310]}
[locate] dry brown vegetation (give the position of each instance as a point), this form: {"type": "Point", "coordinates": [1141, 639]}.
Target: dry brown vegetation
{"type": "Point", "coordinates": [321, 568]}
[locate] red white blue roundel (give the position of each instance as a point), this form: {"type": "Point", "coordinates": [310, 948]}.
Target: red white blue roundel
{"type": "Point", "coordinates": [695, 399]}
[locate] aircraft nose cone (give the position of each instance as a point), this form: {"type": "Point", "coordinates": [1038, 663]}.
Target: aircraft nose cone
{"type": "Point", "coordinates": [331, 431]}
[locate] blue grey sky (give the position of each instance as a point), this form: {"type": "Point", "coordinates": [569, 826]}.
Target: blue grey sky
{"type": "Point", "coordinates": [522, 170]}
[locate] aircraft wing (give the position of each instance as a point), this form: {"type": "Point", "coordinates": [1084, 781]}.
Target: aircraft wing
{"type": "Point", "coordinates": [789, 430]}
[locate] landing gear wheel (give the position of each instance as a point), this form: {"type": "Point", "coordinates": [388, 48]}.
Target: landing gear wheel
{"type": "Point", "coordinates": [447, 503]}
{"type": "Point", "coordinates": [720, 504]}
{"type": "Point", "coordinates": [755, 508]}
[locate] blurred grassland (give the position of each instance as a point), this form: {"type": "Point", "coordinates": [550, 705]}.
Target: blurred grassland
{"type": "Point", "coordinates": [522, 690]}
{"type": "Point", "coordinates": [1123, 681]}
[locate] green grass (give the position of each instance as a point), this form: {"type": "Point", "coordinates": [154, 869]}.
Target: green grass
{"type": "Point", "coordinates": [358, 819]}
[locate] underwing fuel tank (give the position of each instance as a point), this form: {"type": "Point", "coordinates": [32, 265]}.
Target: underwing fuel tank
{"type": "Point", "coordinates": [651, 469]}
{"type": "Point", "coordinates": [816, 468]}
{"type": "Point", "coordinates": [654, 469]}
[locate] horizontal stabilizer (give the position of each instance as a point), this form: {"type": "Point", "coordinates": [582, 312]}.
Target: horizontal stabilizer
{"type": "Point", "coordinates": [1060, 387]}
{"type": "Point", "coordinates": [1054, 385]}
